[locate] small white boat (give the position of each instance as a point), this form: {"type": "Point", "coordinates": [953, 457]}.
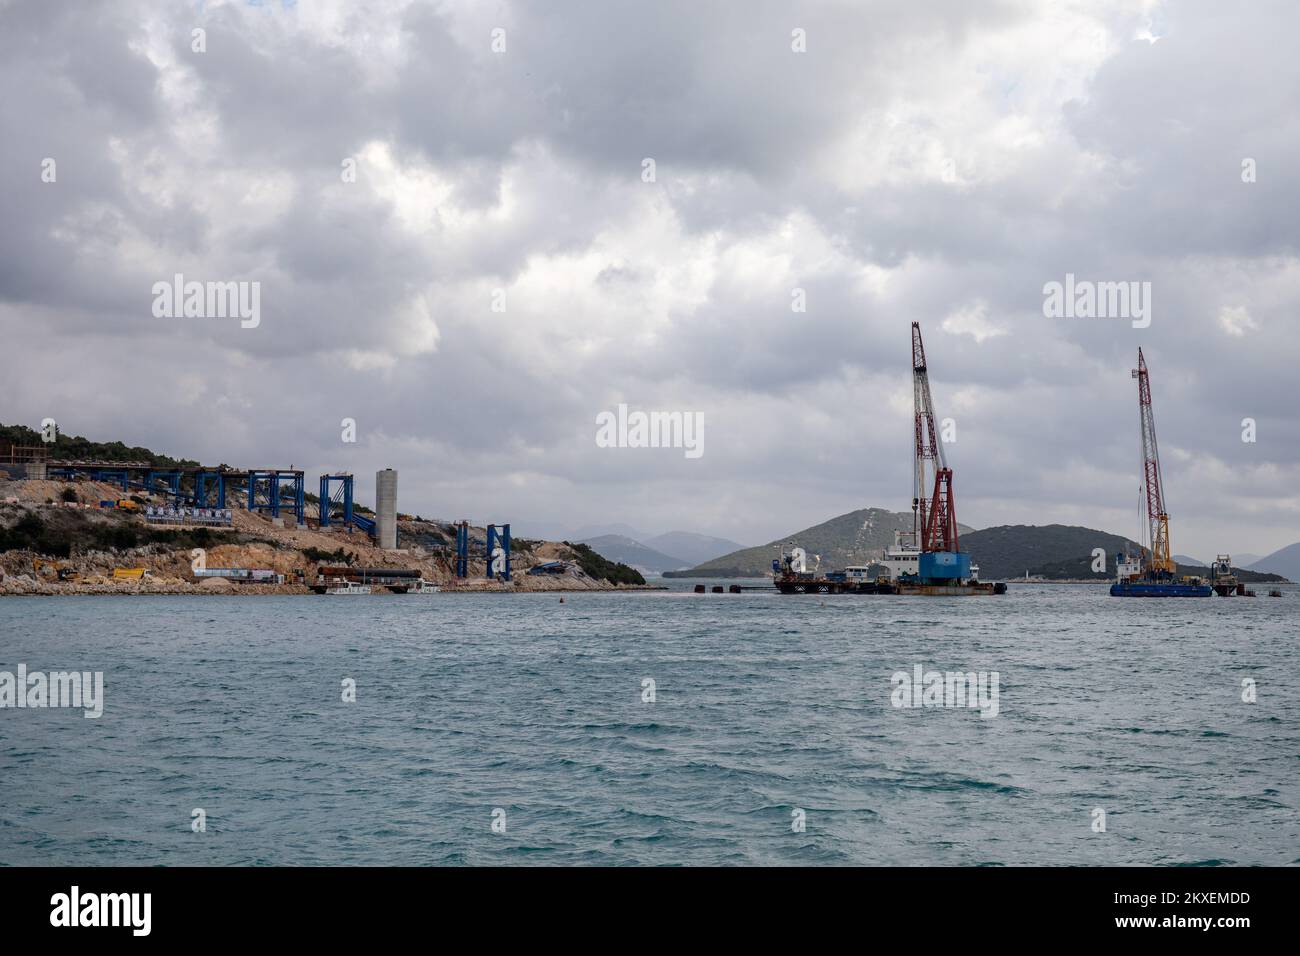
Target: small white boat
{"type": "Point", "coordinates": [348, 587]}
{"type": "Point", "coordinates": [423, 587]}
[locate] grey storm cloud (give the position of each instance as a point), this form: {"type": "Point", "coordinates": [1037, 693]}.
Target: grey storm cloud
{"type": "Point", "coordinates": [919, 162]}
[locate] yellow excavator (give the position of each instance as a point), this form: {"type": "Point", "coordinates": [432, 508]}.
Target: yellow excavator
{"type": "Point", "coordinates": [60, 569]}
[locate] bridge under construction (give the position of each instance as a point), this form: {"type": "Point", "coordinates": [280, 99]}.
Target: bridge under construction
{"type": "Point", "coordinates": [274, 492]}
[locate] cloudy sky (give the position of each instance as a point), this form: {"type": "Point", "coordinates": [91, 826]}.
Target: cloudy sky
{"type": "Point", "coordinates": [936, 162]}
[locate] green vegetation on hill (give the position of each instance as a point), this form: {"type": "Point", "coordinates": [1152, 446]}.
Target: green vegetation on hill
{"type": "Point", "coordinates": [1081, 568]}
{"type": "Point", "coordinates": [65, 533]}
{"type": "Point", "coordinates": [1058, 552]}
{"type": "Point", "coordinates": [1008, 551]}
{"type": "Point", "coordinates": [337, 556]}
{"type": "Point", "coordinates": [1003, 553]}
{"type": "Point", "coordinates": [74, 447]}
{"type": "Point", "coordinates": [595, 566]}
{"type": "Point", "coordinates": [856, 538]}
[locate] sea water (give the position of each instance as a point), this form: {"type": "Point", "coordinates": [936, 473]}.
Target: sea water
{"type": "Point", "coordinates": [654, 728]}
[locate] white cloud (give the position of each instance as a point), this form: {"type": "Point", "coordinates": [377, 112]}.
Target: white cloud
{"type": "Point", "coordinates": [972, 320]}
{"type": "Point", "coordinates": [1236, 320]}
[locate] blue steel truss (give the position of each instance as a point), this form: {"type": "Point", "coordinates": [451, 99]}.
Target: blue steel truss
{"type": "Point", "coordinates": [168, 477]}
{"type": "Point", "coordinates": [266, 490]}
{"type": "Point", "coordinates": [341, 497]}
{"type": "Point", "coordinates": [203, 495]}
{"type": "Point", "coordinates": [114, 477]}
{"type": "Point", "coordinates": [462, 550]}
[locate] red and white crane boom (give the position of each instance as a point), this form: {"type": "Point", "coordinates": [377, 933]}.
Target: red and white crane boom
{"type": "Point", "coordinates": [934, 513]}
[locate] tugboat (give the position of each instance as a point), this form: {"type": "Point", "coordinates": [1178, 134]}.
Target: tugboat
{"type": "Point", "coordinates": [1159, 577]}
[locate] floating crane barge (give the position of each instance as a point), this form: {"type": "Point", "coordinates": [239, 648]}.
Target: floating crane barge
{"type": "Point", "coordinates": [1159, 577]}
{"type": "Point", "coordinates": [935, 566]}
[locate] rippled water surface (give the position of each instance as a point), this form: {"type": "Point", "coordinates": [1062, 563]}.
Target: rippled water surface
{"type": "Point", "coordinates": [765, 705]}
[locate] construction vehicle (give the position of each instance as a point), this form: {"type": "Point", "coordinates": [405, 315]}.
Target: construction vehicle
{"type": "Point", "coordinates": [60, 569]}
{"type": "Point", "coordinates": [126, 504]}
{"type": "Point", "coordinates": [130, 574]}
{"type": "Point", "coordinates": [1158, 578]}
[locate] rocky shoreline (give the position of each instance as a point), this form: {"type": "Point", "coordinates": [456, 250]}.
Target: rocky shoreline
{"type": "Point", "coordinates": [16, 587]}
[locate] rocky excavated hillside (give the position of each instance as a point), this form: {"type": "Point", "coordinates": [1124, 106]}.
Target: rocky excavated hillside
{"type": "Point", "coordinates": [59, 524]}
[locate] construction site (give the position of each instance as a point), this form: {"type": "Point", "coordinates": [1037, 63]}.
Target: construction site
{"type": "Point", "coordinates": [71, 526]}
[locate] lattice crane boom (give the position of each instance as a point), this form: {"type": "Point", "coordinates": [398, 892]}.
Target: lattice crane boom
{"type": "Point", "coordinates": [934, 514]}
{"type": "Point", "coordinates": [1157, 517]}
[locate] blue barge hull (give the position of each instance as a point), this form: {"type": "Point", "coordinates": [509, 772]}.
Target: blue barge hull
{"type": "Point", "coordinates": [1160, 590]}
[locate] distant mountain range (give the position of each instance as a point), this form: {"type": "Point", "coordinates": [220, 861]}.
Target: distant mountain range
{"type": "Point", "coordinates": [621, 548]}
{"type": "Point", "coordinates": [657, 553]}
{"type": "Point", "coordinates": [1285, 562]}
{"type": "Point", "coordinates": [693, 548]}
{"type": "Point", "coordinates": [1003, 553]}
{"type": "Point", "coordinates": [850, 539]}
{"type": "Point", "coordinates": [589, 531]}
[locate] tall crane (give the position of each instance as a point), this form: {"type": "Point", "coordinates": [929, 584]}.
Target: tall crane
{"type": "Point", "coordinates": [1157, 517]}
{"type": "Point", "coordinates": [934, 516]}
